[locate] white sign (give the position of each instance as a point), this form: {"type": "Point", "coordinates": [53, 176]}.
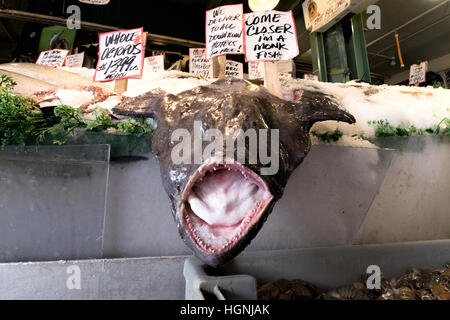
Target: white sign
{"type": "Point", "coordinates": [75, 60]}
{"type": "Point", "coordinates": [312, 77]}
{"type": "Point", "coordinates": [320, 15]}
{"type": "Point", "coordinates": [234, 69]}
{"type": "Point", "coordinates": [224, 31]}
{"type": "Point", "coordinates": [53, 58]}
{"type": "Point", "coordinates": [418, 73]}
{"type": "Point", "coordinates": [154, 63]}
{"type": "Point", "coordinates": [121, 55]}
{"type": "Point", "coordinates": [285, 66]}
{"type": "Point", "coordinates": [96, 2]}
{"type": "Point", "coordinates": [285, 75]}
{"type": "Point", "coordinates": [270, 36]}
{"type": "Point", "coordinates": [198, 63]}
{"type": "Point", "coordinates": [256, 70]}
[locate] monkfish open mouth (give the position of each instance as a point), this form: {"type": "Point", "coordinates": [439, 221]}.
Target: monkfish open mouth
{"type": "Point", "coordinates": [221, 202]}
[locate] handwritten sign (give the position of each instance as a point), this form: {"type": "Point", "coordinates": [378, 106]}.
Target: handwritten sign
{"type": "Point", "coordinates": [154, 63]}
{"type": "Point", "coordinates": [320, 15]}
{"type": "Point", "coordinates": [234, 69]}
{"type": "Point", "coordinates": [285, 75]}
{"type": "Point", "coordinates": [312, 77]}
{"type": "Point", "coordinates": [53, 58]}
{"type": "Point", "coordinates": [121, 55]}
{"type": "Point", "coordinates": [75, 60]}
{"type": "Point", "coordinates": [96, 2]}
{"type": "Point", "coordinates": [224, 31]}
{"type": "Point", "coordinates": [198, 63]}
{"type": "Point", "coordinates": [418, 73]}
{"type": "Point", "coordinates": [270, 36]}
{"type": "Point", "coordinates": [255, 70]}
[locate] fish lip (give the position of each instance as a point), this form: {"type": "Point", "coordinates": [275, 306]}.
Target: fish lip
{"type": "Point", "coordinates": [251, 219]}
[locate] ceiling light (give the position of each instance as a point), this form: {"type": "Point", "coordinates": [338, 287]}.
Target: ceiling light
{"type": "Point", "coordinates": [262, 5]}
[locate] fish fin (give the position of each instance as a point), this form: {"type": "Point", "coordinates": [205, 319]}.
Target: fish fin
{"type": "Point", "coordinates": [315, 106]}
{"type": "Point", "coordinates": [148, 105]}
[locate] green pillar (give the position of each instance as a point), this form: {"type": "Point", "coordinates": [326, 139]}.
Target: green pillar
{"type": "Point", "coordinates": [336, 55]}
{"type": "Point", "coordinates": [340, 54]}
{"type": "Point", "coordinates": [356, 50]}
{"type": "Point", "coordinates": [318, 56]}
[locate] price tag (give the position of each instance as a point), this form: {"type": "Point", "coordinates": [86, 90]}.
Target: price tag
{"type": "Point", "coordinates": [154, 63]}
{"type": "Point", "coordinates": [418, 73]}
{"type": "Point", "coordinates": [234, 69]}
{"type": "Point", "coordinates": [309, 76]}
{"type": "Point", "coordinates": [53, 58]}
{"type": "Point", "coordinates": [198, 63]}
{"type": "Point", "coordinates": [121, 55]}
{"type": "Point", "coordinates": [255, 70]}
{"type": "Point", "coordinates": [75, 60]}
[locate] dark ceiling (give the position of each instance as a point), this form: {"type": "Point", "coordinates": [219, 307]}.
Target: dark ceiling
{"type": "Point", "coordinates": [426, 38]}
{"type": "Point", "coordinates": [425, 34]}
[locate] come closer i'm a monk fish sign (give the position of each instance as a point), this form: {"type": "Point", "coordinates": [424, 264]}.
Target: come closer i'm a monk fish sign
{"type": "Point", "coordinates": [121, 55]}
{"type": "Point", "coordinates": [270, 36]}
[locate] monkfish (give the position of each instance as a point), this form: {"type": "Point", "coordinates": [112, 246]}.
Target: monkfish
{"type": "Point", "coordinates": [221, 199]}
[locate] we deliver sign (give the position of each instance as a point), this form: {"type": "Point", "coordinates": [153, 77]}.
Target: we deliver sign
{"type": "Point", "coordinates": [121, 55]}
{"type": "Point", "coordinates": [224, 31]}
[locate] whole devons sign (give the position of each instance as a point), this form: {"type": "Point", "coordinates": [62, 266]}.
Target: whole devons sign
{"type": "Point", "coordinates": [418, 73]}
{"type": "Point", "coordinates": [121, 55]}
{"type": "Point", "coordinates": [198, 63]}
{"type": "Point", "coordinates": [270, 36]}
{"type": "Point", "coordinates": [154, 63]}
{"type": "Point", "coordinates": [224, 31]}
{"type": "Point", "coordinates": [75, 60]}
{"type": "Point", "coordinates": [53, 58]}
{"type": "Point", "coordinates": [234, 69]}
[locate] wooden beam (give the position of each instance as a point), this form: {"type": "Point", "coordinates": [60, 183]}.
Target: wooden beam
{"type": "Point", "coordinates": [157, 39]}
{"type": "Point", "coordinates": [219, 66]}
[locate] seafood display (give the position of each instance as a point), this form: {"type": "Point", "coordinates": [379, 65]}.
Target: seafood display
{"type": "Point", "coordinates": [219, 208]}
{"type": "Point", "coordinates": [220, 204]}
{"type": "Point", "coordinates": [52, 87]}
{"type": "Point", "coordinates": [413, 285]}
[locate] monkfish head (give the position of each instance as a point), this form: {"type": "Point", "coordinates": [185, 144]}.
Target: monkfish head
{"type": "Point", "coordinates": [226, 152]}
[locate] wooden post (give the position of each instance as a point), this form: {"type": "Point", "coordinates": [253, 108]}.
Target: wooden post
{"type": "Point", "coordinates": [271, 79]}
{"type": "Point", "coordinates": [120, 86]}
{"type": "Point", "coordinates": [219, 66]}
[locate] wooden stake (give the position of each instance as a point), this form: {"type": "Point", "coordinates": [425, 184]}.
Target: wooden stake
{"type": "Point", "coordinates": [219, 66]}
{"type": "Point", "coordinates": [271, 79]}
{"type": "Point", "coordinates": [120, 86]}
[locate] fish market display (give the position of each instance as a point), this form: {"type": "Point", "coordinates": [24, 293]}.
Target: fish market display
{"type": "Point", "coordinates": [415, 284]}
{"type": "Point", "coordinates": [27, 86]}
{"type": "Point", "coordinates": [412, 110]}
{"type": "Point", "coordinates": [220, 204]}
{"type": "Point", "coordinates": [48, 74]}
{"type": "Point", "coordinates": [53, 87]}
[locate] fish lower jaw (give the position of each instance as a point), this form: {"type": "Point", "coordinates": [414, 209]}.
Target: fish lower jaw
{"type": "Point", "coordinates": [221, 204]}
